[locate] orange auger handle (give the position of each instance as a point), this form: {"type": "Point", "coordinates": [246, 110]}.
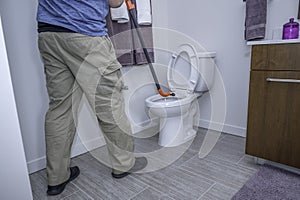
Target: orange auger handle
{"type": "Point", "coordinates": [162, 93]}
{"type": "Point", "coordinates": [129, 5]}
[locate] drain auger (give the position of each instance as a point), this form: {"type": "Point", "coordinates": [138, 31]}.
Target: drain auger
{"type": "Point", "coordinates": [131, 9]}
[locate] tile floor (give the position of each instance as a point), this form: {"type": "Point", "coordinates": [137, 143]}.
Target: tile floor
{"type": "Point", "coordinates": [172, 173]}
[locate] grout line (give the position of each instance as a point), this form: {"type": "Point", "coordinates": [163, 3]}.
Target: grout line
{"type": "Point", "coordinates": [139, 192]}
{"type": "Point", "coordinates": [69, 195]}
{"type": "Point", "coordinates": [197, 174]}
{"type": "Point", "coordinates": [140, 181]}
{"type": "Point", "coordinates": [196, 154]}
{"type": "Point", "coordinates": [218, 179]}
{"type": "Point", "coordinates": [240, 159]}
{"type": "Point", "coordinates": [222, 137]}
{"type": "Point", "coordinates": [207, 190]}
{"type": "Point", "coordinates": [158, 191]}
{"type": "Point", "coordinates": [247, 167]}
{"type": "Point", "coordinates": [82, 191]}
{"type": "Point", "coordinates": [234, 165]}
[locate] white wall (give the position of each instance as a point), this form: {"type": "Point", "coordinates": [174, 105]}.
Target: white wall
{"type": "Point", "coordinates": [19, 23]}
{"type": "Point", "coordinates": [218, 25]}
{"type": "Point", "coordinates": [27, 73]}
{"type": "Point", "coordinates": [13, 169]}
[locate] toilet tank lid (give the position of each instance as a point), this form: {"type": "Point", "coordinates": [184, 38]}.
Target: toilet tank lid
{"type": "Point", "coordinates": [206, 54]}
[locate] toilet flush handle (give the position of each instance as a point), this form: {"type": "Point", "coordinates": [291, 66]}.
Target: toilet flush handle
{"type": "Point", "coordinates": [193, 82]}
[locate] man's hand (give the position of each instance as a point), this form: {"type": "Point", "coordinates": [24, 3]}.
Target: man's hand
{"type": "Point", "coordinates": [115, 3]}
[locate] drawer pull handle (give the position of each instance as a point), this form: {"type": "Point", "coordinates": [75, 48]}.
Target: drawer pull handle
{"type": "Point", "coordinates": [283, 80]}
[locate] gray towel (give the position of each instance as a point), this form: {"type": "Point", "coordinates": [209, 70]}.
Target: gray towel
{"type": "Point", "coordinates": [256, 17]}
{"type": "Point", "coordinates": [299, 10]}
{"type": "Point", "coordinates": [121, 37]}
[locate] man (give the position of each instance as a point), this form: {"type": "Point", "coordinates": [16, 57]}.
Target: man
{"type": "Point", "coordinates": [79, 58]}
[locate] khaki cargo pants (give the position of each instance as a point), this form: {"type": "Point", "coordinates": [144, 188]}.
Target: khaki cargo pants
{"type": "Point", "coordinates": [75, 64]}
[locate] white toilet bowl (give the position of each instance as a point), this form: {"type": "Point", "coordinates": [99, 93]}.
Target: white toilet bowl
{"type": "Point", "coordinates": [179, 115]}
{"type": "Point", "coordinates": [177, 118]}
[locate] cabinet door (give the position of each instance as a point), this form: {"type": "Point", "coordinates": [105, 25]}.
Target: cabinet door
{"type": "Point", "coordinates": [274, 116]}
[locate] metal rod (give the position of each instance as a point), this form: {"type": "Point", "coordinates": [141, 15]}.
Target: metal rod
{"type": "Point", "coordinates": [131, 12]}
{"type": "Point", "coordinates": [136, 25]}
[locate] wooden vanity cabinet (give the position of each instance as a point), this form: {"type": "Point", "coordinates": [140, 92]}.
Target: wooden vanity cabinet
{"type": "Point", "coordinates": [273, 129]}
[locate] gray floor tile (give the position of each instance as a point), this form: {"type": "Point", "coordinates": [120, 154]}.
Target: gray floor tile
{"type": "Point", "coordinates": [170, 155]}
{"type": "Point", "coordinates": [182, 174]}
{"type": "Point", "coordinates": [197, 141]}
{"type": "Point", "coordinates": [78, 196]}
{"type": "Point", "coordinates": [177, 183]}
{"type": "Point", "coordinates": [219, 170]}
{"type": "Point", "coordinates": [233, 139]}
{"type": "Point", "coordinates": [219, 192]}
{"type": "Point", "coordinates": [231, 151]}
{"type": "Point", "coordinates": [185, 157]}
{"type": "Point", "coordinates": [150, 193]}
{"type": "Point", "coordinates": [158, 156]}
{"type": "Point", "coordinates": [146, 145]}
{"type": "Point", "coordinates": [96, 181]}
{"type": "Point", "coordinates": [248, 161]}
{"type": "Point", "coordinates": [194, 147]}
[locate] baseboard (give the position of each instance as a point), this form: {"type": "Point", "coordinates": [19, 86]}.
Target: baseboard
{"type": "Point", "coordinates": [77, 149]}
{"type": "Point", "coordinates": [227, 128]}
{"type": "Point", "coordinates": [36, 164]}
{"type": "Point", "coordinates": [262, 161]}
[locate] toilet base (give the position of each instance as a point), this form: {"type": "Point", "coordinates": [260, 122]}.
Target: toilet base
{"type": "Point", "coordinates": [175, 131]}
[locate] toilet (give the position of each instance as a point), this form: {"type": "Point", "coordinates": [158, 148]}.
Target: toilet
{"type": "Point", "coordinates": [190, 74]}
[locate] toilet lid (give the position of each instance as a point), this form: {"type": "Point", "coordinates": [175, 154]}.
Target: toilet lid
{"type": "Point", "coordinates": [183, 69]}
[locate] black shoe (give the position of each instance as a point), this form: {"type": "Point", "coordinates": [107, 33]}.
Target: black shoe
{"type": "Point", "coordinates": [57, 189]}
{"type": "Point", "coordinates": [140, 163]}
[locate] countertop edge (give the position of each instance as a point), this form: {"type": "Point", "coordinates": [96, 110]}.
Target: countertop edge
{"type": "Point", "coordinates": [262, 42]}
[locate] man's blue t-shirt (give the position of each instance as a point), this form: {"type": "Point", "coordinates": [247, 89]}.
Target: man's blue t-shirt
{"type": "Point", "coordinates": [81, 16]}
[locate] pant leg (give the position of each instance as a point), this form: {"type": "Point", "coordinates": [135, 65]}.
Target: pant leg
{"type": "Point", "coordinates": [97, 71]}
{"type": "Point", "coordinates": [109, 107]}
{"type": "Point", "coordinates": [64, 97]}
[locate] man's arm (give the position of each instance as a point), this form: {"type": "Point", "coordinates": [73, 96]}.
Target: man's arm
{"type": "Point", "coordinates": [115, 3]}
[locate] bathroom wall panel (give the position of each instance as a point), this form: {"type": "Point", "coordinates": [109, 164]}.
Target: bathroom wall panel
{"type": "Point", "coordinates": [14, 181]}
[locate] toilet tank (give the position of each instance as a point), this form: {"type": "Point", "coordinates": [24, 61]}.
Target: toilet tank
{"type": "Point", "coordinates": [206, 69]}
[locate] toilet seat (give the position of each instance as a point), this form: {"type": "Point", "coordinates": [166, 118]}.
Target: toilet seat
{"type": "Point", "coordinates": [183, 85]}
{"type": "Point", "coordinates": [157, 101]}
{"type": "Point", "coordinates": [185, 57]}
